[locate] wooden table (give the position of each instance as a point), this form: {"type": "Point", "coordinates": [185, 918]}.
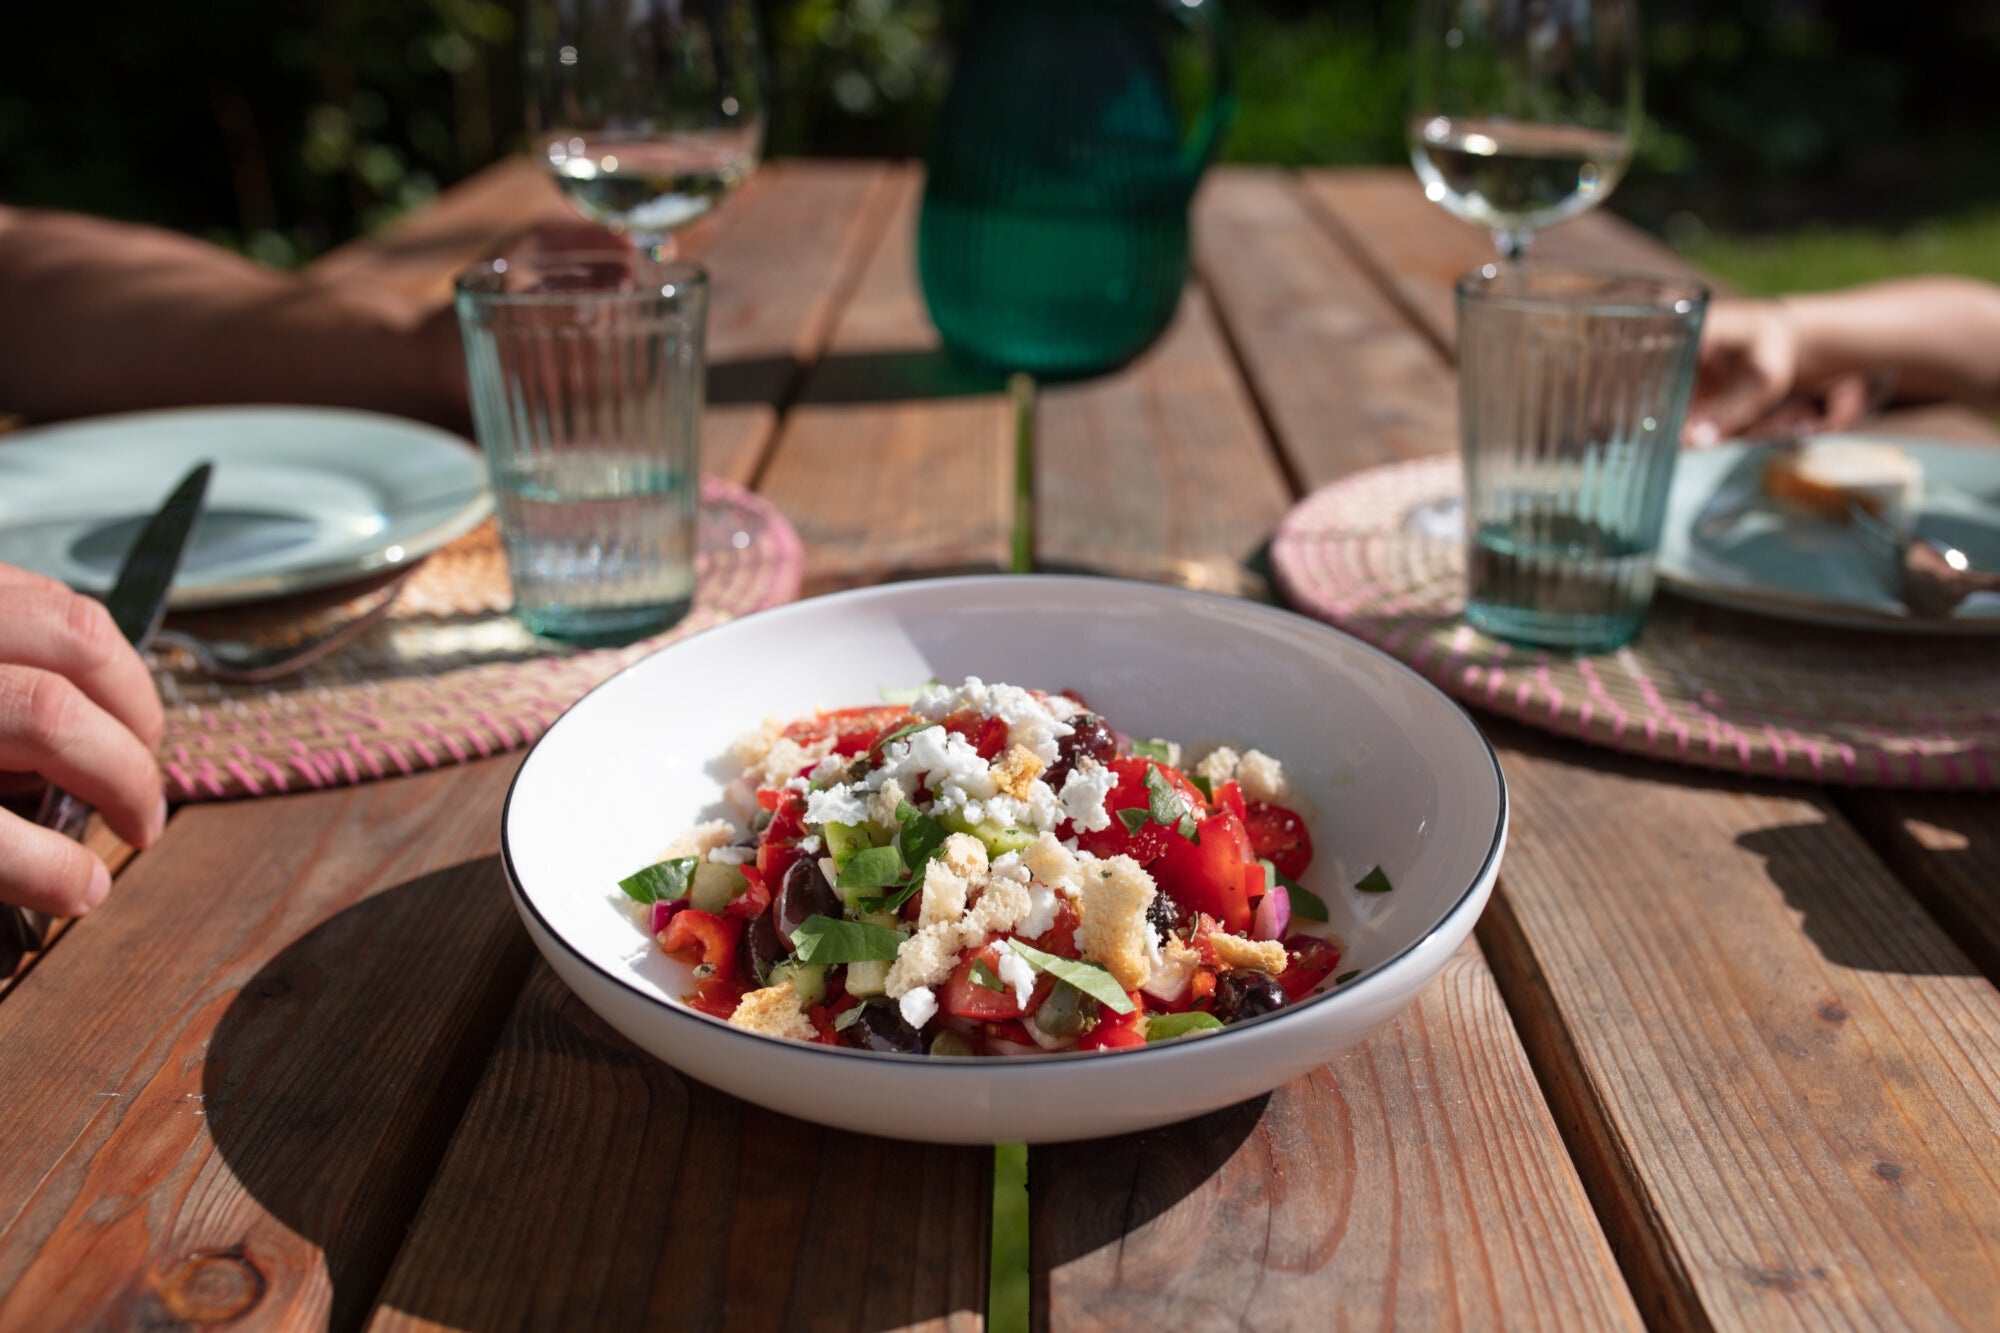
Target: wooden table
{"type": "Point", "coordinates": [1722, 1054]}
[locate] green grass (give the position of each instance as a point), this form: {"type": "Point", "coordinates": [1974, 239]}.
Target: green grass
{"type": "Point", "coordinates": [1818, 258]}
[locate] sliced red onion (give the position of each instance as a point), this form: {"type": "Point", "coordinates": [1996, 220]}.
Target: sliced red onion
{"type": "Point", "coordinates": [665, 912]}
{"type": "Point", "coordinates": [1274, 914]}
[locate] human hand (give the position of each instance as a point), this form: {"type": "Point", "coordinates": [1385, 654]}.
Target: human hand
{"type": "Point", "coordinates": [1751, 380]}
{"type": "Point", "coordinates": [77, 708]}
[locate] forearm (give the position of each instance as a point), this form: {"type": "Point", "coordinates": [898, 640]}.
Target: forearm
{"type": "Point", "coordinates": [99, 316]}
{"type": "Point", "coordinates": [1939, 336]}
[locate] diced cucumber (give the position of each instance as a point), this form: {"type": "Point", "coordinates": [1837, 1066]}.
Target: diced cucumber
{"type": "Point", "coordinates": [886, 920]}
{"type": "Point", "coordinates": [998, 838]}
{"type": "Point", "coordinates": [844, 840]}
{"type": "Point", "coordinates": [714, 885]}
{"type": "Point", "coordinates": [808, 979]}
{"type": "Point", "coordinates": [867, 978]}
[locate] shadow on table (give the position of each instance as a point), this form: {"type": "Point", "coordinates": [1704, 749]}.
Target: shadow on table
{"type": "Point", "coordinates": [862, 377]}
{"type": "Point", "coordinates": [337, 1074]}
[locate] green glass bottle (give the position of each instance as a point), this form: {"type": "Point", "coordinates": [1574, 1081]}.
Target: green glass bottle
{"type": "Point", "coordinates": [1054, 231]}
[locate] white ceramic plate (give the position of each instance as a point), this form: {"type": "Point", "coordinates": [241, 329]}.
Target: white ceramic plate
{"type": "Point", "coordinates": [1395, 773]}
{"type": "Point", "coordinates": [302, 497]}
{"type": "Point", "coordinates": [1771, 562]}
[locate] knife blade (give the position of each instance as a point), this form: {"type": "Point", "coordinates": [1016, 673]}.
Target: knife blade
{"type": "Point", "coordinates": [137, 602]}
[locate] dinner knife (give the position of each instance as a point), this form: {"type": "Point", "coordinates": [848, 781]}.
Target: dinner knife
{"type": "Point", "coordinates": [137, 602]}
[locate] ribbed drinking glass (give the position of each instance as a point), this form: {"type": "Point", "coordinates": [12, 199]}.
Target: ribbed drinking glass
{"type": "Point", "coordinates": [1573, 383]}
{"type": "Point", "coordinates": [585, 374]}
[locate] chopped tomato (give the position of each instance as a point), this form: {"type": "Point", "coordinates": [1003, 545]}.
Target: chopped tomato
{"type": "Point", "coordinates": [1280, 836]}
{"type": "Point", "coordinates": [1149, 841]}
{"type": "Point", "coordinates": [1114, 1030]}
{"type": "Point", "coordinates": [707, 940]}
{"type": "Point", "coordinates": [852, 729]}
{"type": "Point", "coordinates": [987, 735]}
{"type": "Point", "coordinates": [1230, 797]}
{"type": "Point", "coordinates": [1309, 961]}
{"type": "Point", "coordinates": [1060, 939]}
{"type": "Point", "coordinates": [821, 1017]}
{"type": "Point", "coordinates": [777, 848]}
{"type": "Point", "coordinates": [969, 998]}
{"type": "Point", "coordinates": [1211, 874]}
{"type": "Point", "coordinates": [756, 896]}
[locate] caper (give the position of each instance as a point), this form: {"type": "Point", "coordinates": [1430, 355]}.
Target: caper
{"type": "Point", "coordinates": [950, 1043]}
{"type": "Point", "coordinates": [1067, 1012]}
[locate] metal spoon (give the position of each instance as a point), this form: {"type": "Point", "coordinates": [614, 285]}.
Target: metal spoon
{"type": "Point", "coordinates": [1932, 577]}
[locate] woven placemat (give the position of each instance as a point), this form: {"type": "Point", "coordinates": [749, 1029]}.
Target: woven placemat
{"type": "Point", "coordinates": [445, 677]}
{"type": "Point", "coordinates": [1699, 686]}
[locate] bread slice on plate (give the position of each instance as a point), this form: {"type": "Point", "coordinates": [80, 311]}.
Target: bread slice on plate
{"type": "Point", "coordinates": [1825, 477]}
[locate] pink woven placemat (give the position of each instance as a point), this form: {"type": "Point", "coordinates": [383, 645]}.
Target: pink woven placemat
{"type": "Point", "coordinates": [447, 676]}
{"type": "Point", "coordinates": [1699, 686]}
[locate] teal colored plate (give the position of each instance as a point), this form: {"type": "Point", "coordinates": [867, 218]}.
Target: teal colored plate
{"type": "Point", "coordinates": [302, 497]}
{"type": "Point", "coordinates": [1768, 561]}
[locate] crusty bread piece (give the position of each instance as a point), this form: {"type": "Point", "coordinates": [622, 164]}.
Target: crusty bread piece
{"type": "Point", "coordinates": [1825, 477]}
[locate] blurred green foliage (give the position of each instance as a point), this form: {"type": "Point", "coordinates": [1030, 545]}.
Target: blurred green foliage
{"type": "Point", "coordinates": [285, 126]}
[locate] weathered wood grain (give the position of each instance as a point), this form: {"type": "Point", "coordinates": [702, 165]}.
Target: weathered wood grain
{"type": "Point", "coordinates": [1159, 470]}
{"type": "Point", "coordinates": [1946, 850]}
{"type": "Point", "coordinates": [1778, 1075]}
{"type": "Point", "coordinates": [592, 1187]}
{"type": "Point", "coordinates": [896, 461]}
{"type": "Point", "coordinates": [1339, 372]}
{"type": "Point", "coordinates": [230, 1085]}
{"type": "Point", "coordinates": [1415, 1182]}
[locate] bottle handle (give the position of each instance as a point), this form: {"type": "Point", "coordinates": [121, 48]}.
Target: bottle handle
{"type": "Point", "coordinates": [1204, 19]}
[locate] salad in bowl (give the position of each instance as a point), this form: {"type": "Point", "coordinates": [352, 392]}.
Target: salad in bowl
{"type": "Point", "coordinates": [989, 871]}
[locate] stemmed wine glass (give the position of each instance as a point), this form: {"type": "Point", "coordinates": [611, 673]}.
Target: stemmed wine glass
{"type": "Point", "coordinates": [648, 112]}
{"type": "Point", "coordinates": [1523, 112]}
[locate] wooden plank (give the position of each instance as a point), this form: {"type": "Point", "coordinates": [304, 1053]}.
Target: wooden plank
{"type": "Point", "coordinates": [592, 1187]}
{"type": "Point", "coordinates": [896, 461]}
{"type": "Point", "coordinates": [227, 1089]}
{"type": "Point", "coordinates": [1343, 378]}
{"type": "Point", "coordinates": [1417, 1181]}
{"type": "Point", "coordinates": [1778, 1076]}
{"type": "Point", "coordinates": [1946, 850]}
{"type": "Point", "coordinates": [1159, 470]}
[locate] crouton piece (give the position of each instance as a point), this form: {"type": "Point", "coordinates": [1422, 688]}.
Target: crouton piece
{"type": "Point", "coordinates": [1052, 863]}
{"type": "Point", "coordinates": [944, 895]}
{"type": "Point", "coordinates": [1262, 778]}
{"type": "Point", "coordinates": [925, 959]}
{"type": "Point", "coordinates": [773, 1011]}
{"type": "Point", "coordinates": [703, 839]}
{"type": "Point", "coordinates": [1002, 906]}
{"type": "Point", "coordinates": [786, 757]}
{"type": "Point", "coordinates": [1115, 932]}
{"type": "Point", "coordinates": [883, 803]}
{"type": "Point", "coordinates": [1015, 771]}
{"type": "Point", "coordinates": [1219, 766]}
{"type": "Point", "coordinates": [749, 749]}
{"type": "Point", "coordinates": [966, 855]}
{"type": "Point", "coordinates": [1253, 955]}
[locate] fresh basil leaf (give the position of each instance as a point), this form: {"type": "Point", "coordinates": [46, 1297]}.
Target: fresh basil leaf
{"type": "Point", "coordinates": [1089, 978]}
{"type": "Point", "coordinates": [1154, 750]}
{"type": "Point", "coordinates": [1346, 977]}
{"type": "Point", "coordinates": [1166, 805]}
{"type": "Point", "coordinates": [1203, 785]}
{"type": "Point", "coordinates": [661, 883]}
{"type": "Point", "coordinates": [983, 975]}
{"type": "Point", "coordinates": [921, 837]}
{"type": "Point", "coordinates": [871, 868]}
{"type": "Point", "coordinates": [821, 939]}
{"type": "Point", "coordinates": [907, 729]}
{"type": "Point", "coordinates": [1186, 828]}
{"type": "Point", "coordinates": [889, 902]}
{"type": "Point", "coordinates": [1167, 1027]}
{"type": "Point", "coordinates": [904, 694]}
{"type": "Point", "coordinates": [847, 1018]}
{"type": "Point", "coordinates": [1374, 882]}
{"type": "Point", "coordinates": [1133, 819]}
{"type": "Point", "coordinates": [1306, 904]}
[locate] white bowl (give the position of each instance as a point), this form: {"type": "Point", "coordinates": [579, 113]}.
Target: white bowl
{"type": "Point", "coordinates": [1394, 774]}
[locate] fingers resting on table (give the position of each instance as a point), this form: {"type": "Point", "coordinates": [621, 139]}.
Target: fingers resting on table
{"type": "Point", "coordinates": [78, 709]}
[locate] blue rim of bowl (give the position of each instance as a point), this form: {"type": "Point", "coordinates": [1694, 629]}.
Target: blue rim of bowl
{"type": "Point", "coordinates": [1486, 872]}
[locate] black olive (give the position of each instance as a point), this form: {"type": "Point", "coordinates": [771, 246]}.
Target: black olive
{"type": "Point", "coordinates": [1165, 913]}
{"type": "Point", "coordinates": [766, 949]}
{"type": "Point", "coordinates": [1088, 736]}
{"type": "Point", "coordinates": [1241, 994]}
{"type": "Point", "coordinates": [802, 893]}
{"type": "Point", "coordinates": [882, 1027]}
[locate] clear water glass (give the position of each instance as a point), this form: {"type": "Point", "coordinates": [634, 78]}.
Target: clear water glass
{"type": "Point", "coordinates": [586, 378]}
{"type": "Point", "coordinates": [1573, 384]}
